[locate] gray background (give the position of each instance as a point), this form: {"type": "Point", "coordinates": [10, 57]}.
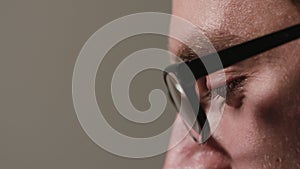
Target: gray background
{"type": "Point", "coordinates": [39, 43]}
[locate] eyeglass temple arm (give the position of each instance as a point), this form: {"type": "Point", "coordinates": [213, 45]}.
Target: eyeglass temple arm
{"type": "Point", "coordinates": [243, 51]}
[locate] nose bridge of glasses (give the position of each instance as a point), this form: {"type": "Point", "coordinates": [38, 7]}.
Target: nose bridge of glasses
{"type": "Point", "coordinates": [187, 81]}
{"type": "Point", "coordinates": [200, 115]}
{"type": "Point", "coordinates": [194, 100]}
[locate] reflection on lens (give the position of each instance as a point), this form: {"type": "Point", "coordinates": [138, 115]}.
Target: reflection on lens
{"type": "Point", "coordinates": [175, 90]}
{"type": "Point", "coordinates": [183, 105]}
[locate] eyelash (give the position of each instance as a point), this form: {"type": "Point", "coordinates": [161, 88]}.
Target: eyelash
{"type": "Point", "coordinates": [233, 87]}
{"type": "Point", "coordinates": [236, 84]}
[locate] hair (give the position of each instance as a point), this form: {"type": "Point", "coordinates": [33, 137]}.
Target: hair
{"type": "Point", "coordinates": [296, 2]}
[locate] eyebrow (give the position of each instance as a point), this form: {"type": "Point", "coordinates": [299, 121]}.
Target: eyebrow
{"type": "Point", "coordinates": [201, 45]}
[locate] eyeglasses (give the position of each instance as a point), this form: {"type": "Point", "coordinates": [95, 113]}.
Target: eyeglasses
{"type": "Point", "coordinates": [181, 78]}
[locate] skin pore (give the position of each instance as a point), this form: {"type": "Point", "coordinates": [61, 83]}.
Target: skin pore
{"type": "Point", "coordinates": [260, 125]}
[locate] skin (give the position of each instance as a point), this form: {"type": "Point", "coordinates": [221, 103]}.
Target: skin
{"type": "Point", "coordinates": [260, 125]}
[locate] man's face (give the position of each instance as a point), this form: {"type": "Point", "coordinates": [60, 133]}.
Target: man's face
{"type": "Point", "coordinates": [260, 126]}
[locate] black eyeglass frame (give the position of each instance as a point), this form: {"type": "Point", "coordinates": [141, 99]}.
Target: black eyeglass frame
{"type": "Point", "coordinates": [228, 57]}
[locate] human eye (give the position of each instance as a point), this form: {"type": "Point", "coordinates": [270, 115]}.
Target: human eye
{"type": "Point", "coordinates": [232, 92]}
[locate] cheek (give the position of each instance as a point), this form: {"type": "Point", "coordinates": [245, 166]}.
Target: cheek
{"type": "Point", "coordinates": [270, 97]}
{"type": "Point", "coordinates": [264, 98]}
{"type": "Point", "coordinates": [260, 112]}
{"type": "Point", "coordinates": [272, 117]}
{"type": "Point", "coordinates": [260, 127]}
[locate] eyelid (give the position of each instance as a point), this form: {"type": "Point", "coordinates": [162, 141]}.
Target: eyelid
{"type": "Point", "coordinates": [216, 80]}
{"type": "Point", "coordinates": [221, 78]}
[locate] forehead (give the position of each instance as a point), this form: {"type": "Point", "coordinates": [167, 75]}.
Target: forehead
{"type": "Point", "coordinates": [232, 15]}
{"type": "Point", "coordinates": [245, 19]}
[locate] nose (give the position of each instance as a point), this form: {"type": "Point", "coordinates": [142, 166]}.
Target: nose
{"type": "Point", "coordinates": [175, 157]}
{"type": "Point", "coordinates": [189, 154]}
